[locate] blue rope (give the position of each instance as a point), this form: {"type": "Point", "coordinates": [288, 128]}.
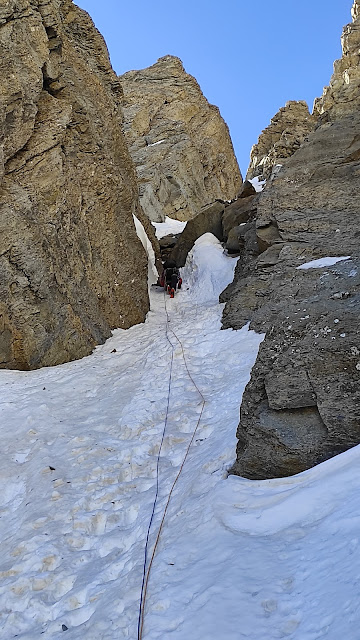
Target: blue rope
{"type": "Point", "coordinates": [157, 472]}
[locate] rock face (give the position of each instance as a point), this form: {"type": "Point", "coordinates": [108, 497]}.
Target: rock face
{"type": "Point", "coordinates": [179, 142]}
{"type": "Point", "coordinates": [68, 247]}
{"type": "Point", "coordinates": [302, 403]}
{"type": "Point", "coordinates": [286, 132]}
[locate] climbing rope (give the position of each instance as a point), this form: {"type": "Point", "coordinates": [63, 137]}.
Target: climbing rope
{"type": "Point", "coordinates": [144, 581]}
{"type": "Point", "coordinates": [146, 570]}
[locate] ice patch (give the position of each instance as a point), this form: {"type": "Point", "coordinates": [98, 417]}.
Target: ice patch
{"type": "Point", "coordinates": [12, 492]}
{"type": "Point", "coordinates": [20, 458]}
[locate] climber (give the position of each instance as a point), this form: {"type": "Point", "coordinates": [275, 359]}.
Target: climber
{"type": "Point", "coordinates": [171, 278]}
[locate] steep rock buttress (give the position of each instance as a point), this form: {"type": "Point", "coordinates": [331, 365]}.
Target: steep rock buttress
{"type": "Point", "coordinates": [69, 254]}
{"type": "Point", "coordinates": [301, 405]}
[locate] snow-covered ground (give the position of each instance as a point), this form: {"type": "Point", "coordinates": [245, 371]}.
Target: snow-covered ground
{"type": "Point", "coordinates": [237, 559]}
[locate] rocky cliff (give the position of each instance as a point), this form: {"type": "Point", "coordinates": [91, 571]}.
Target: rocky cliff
{"type": "Point", "coordinates": [301, 405]}
{"type": "Point", "coordinates": [179, 142]}
{"type": "Point", "coordinates": [286, 132]}
{"type": "Point", "coordinates": [69, 254]}
{"type": "Point", "coordinates": [342, 96]}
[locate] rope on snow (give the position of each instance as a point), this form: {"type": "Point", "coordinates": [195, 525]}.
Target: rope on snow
{"type": "Point", "coordinates": [146, 571]}
{"type": "Point", "coordinates": [145, 579]}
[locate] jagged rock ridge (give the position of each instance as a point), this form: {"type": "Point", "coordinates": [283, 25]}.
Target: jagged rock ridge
{"type": "Point", "coordinates": [179, 142]}
{"type": "Point", "coordinates": [342, 96]}
{"type": "Point", "coordinates": [286, 132]}
{"type": "Point", "coordinates": [69, 254]}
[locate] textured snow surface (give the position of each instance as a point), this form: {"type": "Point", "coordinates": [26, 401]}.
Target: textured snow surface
{"type": "Point", "coordinates": [168, 227]}
{"type": "Point", "coordinates": [237, 558]}
{"type": "Point", "coordinates": [322, 262]}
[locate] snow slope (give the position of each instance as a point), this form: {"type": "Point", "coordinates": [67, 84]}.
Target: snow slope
{"type": "Point", "coordinates": [237, 558]}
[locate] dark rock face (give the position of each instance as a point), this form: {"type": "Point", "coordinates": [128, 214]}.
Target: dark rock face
{"type": "Point", "coordinates": [314, 199]}
{"type": "Point", "coordinates": [68, 246]}
{"type": "Point", "coordinates": [302, 404]}
{"type": "Point", "coordinates": [342, 96]}
{"type": "Point", "coordinates": [239, 212]}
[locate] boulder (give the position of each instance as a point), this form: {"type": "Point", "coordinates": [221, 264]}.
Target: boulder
{"type": "Point", "coordinates": [247, 189]}
{"type": "Point", "coordinates": [207, 221]}
{"type": "Point", "coordinates": [242, 239]}
{"type": "Point", "coordinates": [168, 242]}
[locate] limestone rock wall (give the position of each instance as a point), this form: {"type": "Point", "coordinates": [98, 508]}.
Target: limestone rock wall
{"type": "Point", "coordinates": [302, 403]}
{"type": "Point", "coordinates": [69, 253]}
{"type": "Point", "coordinates": [284, 135]}
{"type": "Point", "coordinates": [179, 142]}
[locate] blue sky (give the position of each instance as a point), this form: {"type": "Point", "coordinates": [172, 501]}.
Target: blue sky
{"type": "Point", "coordinates": [248, 57]}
